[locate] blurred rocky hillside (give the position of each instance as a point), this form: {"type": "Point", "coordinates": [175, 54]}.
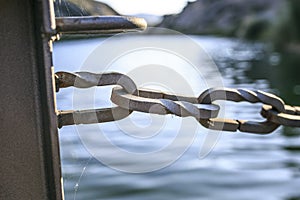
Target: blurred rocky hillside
{"type": "Point", "coordinates": [277, 21]}
{"type": "Point", "coordinates": [242, 18]}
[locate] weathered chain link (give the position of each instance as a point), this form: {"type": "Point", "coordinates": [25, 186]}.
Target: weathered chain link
{"type": "Point", "coordinates": [291, 116]}
{"type": "Point", "coordinates": [161, 104]}
{"type": "Point", "coordinates": [71, 117]}
{"type": "Point", "coordinates": [128, 98]}
{"type": "Point", "coordinates": [239, 95]}
{"type": "Point", "coordinates": [86, 80]}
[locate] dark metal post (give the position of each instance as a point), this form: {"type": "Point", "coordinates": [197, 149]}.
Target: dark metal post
{"type": "Point", "coordinates": [29, 153]}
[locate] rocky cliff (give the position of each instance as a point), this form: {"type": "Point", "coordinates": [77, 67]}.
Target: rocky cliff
{"type": "Point", "coordinates": [242, 18]}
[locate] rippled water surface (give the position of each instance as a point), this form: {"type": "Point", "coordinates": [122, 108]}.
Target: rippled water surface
{"type": "Point", "coordinates": [240, 166]}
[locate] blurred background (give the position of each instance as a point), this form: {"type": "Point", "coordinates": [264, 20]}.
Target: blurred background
{"type": "Point", "coordinates": [255, 44]}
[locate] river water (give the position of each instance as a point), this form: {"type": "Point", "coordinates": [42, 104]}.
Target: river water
{"type": "Point", "coordinates": [240, 166]}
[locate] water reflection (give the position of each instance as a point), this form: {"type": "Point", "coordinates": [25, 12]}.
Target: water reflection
{"type": "Point", "coordinates": [257, 66]}
{"type": "Point", "coordinates": [241, 166]}
{"type": "Point", "coordinates": [282, 71]}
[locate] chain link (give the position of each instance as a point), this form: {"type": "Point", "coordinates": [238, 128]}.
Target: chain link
{"type": "Point", "coordinates": [129, 98]}
{"type": "Point", "coordinates": [240, 95]}
{"type": "Point", "coordinates": [71, 117]}
{"type": "Point", "coordinates": [163, 103]}
{"type": "Point", "coordinates": [291, 116]}
{"type": "Point", "coordinates": [86, 80]}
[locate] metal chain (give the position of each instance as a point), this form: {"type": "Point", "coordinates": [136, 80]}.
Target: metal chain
{"type": "Point", "coordinates": [128, 98]}
{"type": "Point", "coordinates": [291, 116]}
{"type": "Point", "coordinates": [162, 103]}
{"type": "Point", "coordinates": [239, 95]}
{"type": "Point", "coordinates": [86, 80]}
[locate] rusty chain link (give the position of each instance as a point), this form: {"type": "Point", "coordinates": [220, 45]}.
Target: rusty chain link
{"type": "Point", "coordinates": [129, 98]}
{"type": "Point", "coordinates": [161, 104]}
{"type": "Point", "coordinates": [239, 95]}
{"type": "Point", "coordinates": [291, 116]}
{"type": "Point", "coordinates": [86, 80]}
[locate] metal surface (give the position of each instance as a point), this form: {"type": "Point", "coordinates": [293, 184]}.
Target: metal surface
{"type": "Point", "coordinates": [99, 24]}
{"type": "Point", "coordinates": [91, 116]}
{"type": "Point", "coordinates": [29, 154]}
{"type": "Point", "coordinates": [290, 118]}
{"type": "Point", "coordinates": [162, 106]}
{"type": "Point", "coordinates": [129, 98]}
{"type": "Point", "coordinates": [85, 80]}
{"type": "Point", "coordinates": [238, 95]}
